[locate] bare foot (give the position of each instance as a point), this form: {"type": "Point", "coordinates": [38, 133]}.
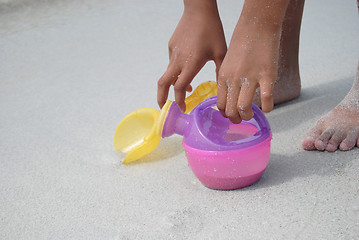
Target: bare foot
{"type": "Point", "coordinates": [339, 128]}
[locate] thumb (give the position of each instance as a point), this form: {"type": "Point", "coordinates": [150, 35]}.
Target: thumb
{"type": "Point", "coordinates": [218, 63]}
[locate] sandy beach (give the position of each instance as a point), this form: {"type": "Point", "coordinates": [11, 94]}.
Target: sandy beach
{"type": "Point", "coordinates": [72, 70]}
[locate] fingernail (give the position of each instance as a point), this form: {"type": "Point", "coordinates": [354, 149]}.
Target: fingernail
{"type": "Point", "coordinates": [183, 108]}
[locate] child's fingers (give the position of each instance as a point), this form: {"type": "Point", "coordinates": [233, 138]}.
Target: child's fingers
{"type": "Point", "coordinates": [189, 88]}
{"type": "Point", "coordinates": [183, 84]}
{"type": "Point", "coordinates": [233, 91]}
{"type": "Point", "coordinates": [245, 100]}
{"type": "Point", "coordinates": [164, 83]}
{"type": "Point", "coordinates": [218, 62]}
{"type": "Point", "coordinates": [266, 88]}
{"type": "Point", "coordinates": [221, 95]}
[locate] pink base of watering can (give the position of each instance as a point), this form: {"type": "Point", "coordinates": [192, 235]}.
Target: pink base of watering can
{"type": "Point", "coordinates": [231, 169]}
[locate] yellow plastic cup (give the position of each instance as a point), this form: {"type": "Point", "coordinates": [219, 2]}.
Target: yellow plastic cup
{"type": "Point", "coordinates": [136, 134]}
{"type": "Point", "coordinates": [140, 132]}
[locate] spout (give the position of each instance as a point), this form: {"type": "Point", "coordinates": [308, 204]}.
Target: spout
{"type": "Point", "coordinates": [175, 123]}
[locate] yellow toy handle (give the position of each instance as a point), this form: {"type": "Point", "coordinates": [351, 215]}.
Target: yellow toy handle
{"type": "Point", "coordinates": [141, 131]}
{"type": "Point", "coordinates": [201, 93]}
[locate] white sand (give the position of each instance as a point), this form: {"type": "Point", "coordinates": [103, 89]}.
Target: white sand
{"type": "Point", "coordinates": [70, 72]}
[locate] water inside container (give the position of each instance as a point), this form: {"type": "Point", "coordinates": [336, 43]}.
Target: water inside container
{"type": "Point", "coordinates": [240, 131]}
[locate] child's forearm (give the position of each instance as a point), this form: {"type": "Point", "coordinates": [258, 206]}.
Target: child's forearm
{"type": "Point", "coordinates": [200, 6]}
{"type": "Point", "coordinates": [264, 14]}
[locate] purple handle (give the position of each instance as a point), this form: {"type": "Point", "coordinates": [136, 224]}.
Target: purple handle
{"type": "Point", "coordinates": [209, 127]}
{"type": "Point", "coordinates": [205, 128]}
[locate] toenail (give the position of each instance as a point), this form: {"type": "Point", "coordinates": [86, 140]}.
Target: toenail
{"type": "Point", "coordinates": [344, 147]}
{"type": "Point", "coordinates": [330, 148]}
{"type": "Point", "coordinates": [321, 145]}
{"type": "Point", "coordinates": [309, 138]}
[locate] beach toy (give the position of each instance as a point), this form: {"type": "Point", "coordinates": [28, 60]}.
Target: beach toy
{"type": "Point", "coordinates": [140, 132]}
{"type": "Point", "coordinates": [221, 154]}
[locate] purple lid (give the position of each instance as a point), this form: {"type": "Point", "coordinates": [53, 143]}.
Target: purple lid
{"type": "Point", "coordinates": [205, 128]}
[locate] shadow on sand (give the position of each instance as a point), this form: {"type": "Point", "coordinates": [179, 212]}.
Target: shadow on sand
{"type": "Point", "coordinates": [284, 168]}
{"type": "Point", "coordinates": [313, 103]}
{"type": "Point", "coordinates": [167, 148]}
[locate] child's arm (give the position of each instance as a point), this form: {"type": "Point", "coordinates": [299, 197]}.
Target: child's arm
{"type": "Point", "coordinates": [252, 59]}
{"type": "Point", "coordinates": [198, 38]}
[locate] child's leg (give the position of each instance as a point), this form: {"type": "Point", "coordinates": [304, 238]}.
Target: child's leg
{"type": "Point", "coordinates": [340, 127]}
{"type": "Point", "coordinates": [287, 86]}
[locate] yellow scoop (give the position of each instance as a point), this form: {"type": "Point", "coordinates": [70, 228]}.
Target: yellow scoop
{"type": "Point", "coordinates": [140, 132]}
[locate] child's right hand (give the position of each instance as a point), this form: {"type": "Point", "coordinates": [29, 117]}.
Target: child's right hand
{"type": "Point", "coordinates": [198, 38]}
{"type": "Point", "coordinates": [251, 60]}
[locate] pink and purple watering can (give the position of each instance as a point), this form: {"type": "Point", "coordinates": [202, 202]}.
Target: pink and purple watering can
{"type": "Point", "coordinates": [222, 155]}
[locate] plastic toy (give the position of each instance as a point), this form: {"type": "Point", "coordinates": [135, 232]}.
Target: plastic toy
{"type": "Point", "coordinates": [221, 154]}
{"type": "Point", "coordinates": [140, 131]}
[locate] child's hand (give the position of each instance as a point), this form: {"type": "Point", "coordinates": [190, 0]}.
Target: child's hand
{"type": "Point", "coordinates": [197, 39]}
{"type": "Point", "coordinates": [251, 60]}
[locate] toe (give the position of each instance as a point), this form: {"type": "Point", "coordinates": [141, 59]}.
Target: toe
{"type": "Point", "coordinates": [320, 145]}
{"type": "Point", "coordinates": [350, 140]}
{"type": "Point", "coordinates": [335, 140]}
{"type": "Point", "coordinates": [322, 141]}
{"type": "Point", "coordinates": [308, 142]}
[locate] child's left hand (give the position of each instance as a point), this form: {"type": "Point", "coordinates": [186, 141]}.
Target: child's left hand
{"type": "Point", "coordinates": [197, 39]}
